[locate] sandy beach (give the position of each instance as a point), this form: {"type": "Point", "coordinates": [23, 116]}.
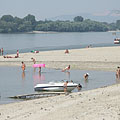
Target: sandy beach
{"type": "Point", "coordinates": [98, 104]}
{"type": "Point", "coordinates": [99, 58]}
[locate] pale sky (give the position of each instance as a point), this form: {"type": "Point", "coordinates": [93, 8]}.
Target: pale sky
{"type": "Point", "coordinates": [51, 8]}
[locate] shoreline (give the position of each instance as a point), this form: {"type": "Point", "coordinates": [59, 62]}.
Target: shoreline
{"type": "Point", "coordinates": [75, 65]}
{"type": "Point", "coordinates": [97, 104]}
{"type": "Point", "coordinates": [98, 58]}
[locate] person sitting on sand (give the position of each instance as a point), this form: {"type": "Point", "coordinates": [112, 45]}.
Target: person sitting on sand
{"type": "Point", "coordinates": [86, 75]}
{"type": "Point", "coordinates": [66, 68]}
{"type": "Point", "coordinates": [66, 51]}
{"type": "Point", "coordinates": [23, 66]}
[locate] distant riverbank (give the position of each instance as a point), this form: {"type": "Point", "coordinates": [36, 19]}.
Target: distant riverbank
{"type": "Point", "coordinates": [41, 32]}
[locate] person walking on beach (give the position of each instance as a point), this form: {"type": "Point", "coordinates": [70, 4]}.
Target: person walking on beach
{"type": "Point", "coordinates": [23, 66]}
{"type": "Point", "coordinates": [34, 61]}
{"type": "Point", "coordinates": [118, 73]}
{"type": "Point", "coordinates": [17, 53]}
{"type": "Point", "coordinates": [2, 51]}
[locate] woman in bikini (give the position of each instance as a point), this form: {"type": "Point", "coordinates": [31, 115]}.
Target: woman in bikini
{"type": "Point", "coordinates": [23, 66]}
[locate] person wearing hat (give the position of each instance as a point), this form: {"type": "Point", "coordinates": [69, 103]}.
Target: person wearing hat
{"type": "Point", "coordinates": [86, 75]}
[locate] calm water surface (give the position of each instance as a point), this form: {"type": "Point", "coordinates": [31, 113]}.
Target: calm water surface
{"type": "Point", "coordinates": [53, 41]}
{"type": "Point", "coordinates": [13, 82]}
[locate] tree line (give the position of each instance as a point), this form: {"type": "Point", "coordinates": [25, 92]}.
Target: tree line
{"type": "Point", "coordinates": [10, 24]}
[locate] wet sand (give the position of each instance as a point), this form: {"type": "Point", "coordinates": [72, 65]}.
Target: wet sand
{"type": "Point", "coordinates": [98, 104]}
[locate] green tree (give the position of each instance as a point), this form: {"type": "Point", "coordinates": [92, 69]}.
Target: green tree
{"type": "Point", "coordinates": [7, 18]}
{"type": "Point", "coordinates": [78, 19]}
{"type": "Point", "coordinates": [118, 24]}
{"type": "Point", "coordinates": [31, 19]}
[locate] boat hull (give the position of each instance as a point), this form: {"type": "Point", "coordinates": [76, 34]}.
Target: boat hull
{"type": "Point", "coordinates": [117, 41]}
{"type": "Point", "coordinates": [55, 87]}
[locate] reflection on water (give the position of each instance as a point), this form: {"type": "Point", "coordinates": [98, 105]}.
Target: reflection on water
{"type": "Point", "coordinates": [23, 75]}
{"type": "Point", "coordinates": [117, 80]}
{"type": "Point", "coordinates": [38, 78]}
{"type": "Point", "coordinates": [67, 75]}
{"type": "Point", "coordinates": [17, 82]}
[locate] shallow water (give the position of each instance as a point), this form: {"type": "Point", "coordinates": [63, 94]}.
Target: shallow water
{"type": "Point", "coordinates": [14, 82]}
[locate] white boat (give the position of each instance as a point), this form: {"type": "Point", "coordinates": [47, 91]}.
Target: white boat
{"type": "Point", "coordinates": [57, 87]}
{"type": "Point", "coordinates": [117, 41]}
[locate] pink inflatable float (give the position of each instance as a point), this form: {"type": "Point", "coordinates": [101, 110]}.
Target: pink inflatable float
{"type": "Point", "coordinates": [38, 65]}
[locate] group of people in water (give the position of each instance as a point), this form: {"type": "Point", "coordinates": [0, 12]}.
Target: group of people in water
{"type": "Point", "coordinates": [79, 86]}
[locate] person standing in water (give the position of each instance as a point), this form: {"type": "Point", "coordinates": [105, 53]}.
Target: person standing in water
{"type": "Point", "coordinates": [39, 69]}
{"type": "Point", "coordinates": [86, 76]}
{"type": "Point", "coordinates": [65, 86]}
{"type": "Point", "coordinates": [23, 66]}
{"type": "Point", "coordinates": [118, 73]}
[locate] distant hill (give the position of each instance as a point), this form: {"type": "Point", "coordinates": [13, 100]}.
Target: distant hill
{"type": "Point", "coordinates": [106, 16]}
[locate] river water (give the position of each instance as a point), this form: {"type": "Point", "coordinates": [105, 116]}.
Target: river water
{"type": "Point", "coordinates": [13, 82]}
{"type": "Point", "coordinates": [53, 41]}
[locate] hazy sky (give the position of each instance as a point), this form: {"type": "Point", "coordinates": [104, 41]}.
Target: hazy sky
{"type": "Point", "coordinates": [50, 8]}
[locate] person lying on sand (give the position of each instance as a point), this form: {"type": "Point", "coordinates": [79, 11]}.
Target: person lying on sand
{"type": "Point", "coordinates": [10, 56]}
